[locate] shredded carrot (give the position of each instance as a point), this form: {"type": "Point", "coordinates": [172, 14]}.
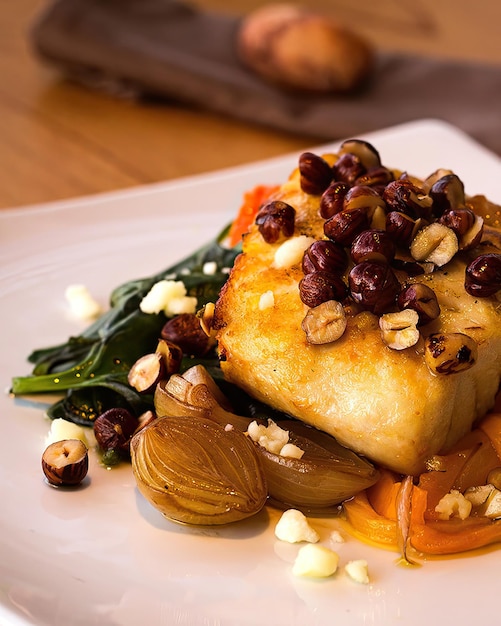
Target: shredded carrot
{"type": "Point", "coordinates": [374, 513]}
{"type": "Point", "coordinates": [252, 202]}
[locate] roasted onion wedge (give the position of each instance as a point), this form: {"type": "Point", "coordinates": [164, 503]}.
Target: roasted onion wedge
{"type": "Point", "coordinates": [195, 471]}
{"type": "Point", "coordinates": [327, 473]}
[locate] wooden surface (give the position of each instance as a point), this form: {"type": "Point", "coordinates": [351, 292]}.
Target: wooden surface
{"type": "Point", "coordinates": [59, 140]}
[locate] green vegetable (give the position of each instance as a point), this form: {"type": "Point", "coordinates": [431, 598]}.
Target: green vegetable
{"type": "Point", "coordinates": [92, 367]}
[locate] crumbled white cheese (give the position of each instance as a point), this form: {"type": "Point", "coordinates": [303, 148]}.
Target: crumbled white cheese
{"type": "Point", "coordinates": [336, 537]}
{"type": "Point", "coordinates": [61, 429]}
{"type": "Point", "coordinates": [358, 571]}
{"type": "Point", "coordinates": [267, 300]}
{"type": "Point", "coordinates": [291, 451]}
{"type": "Point", "coordinates": [209, 268]}
{"type": "Point", "coordinates": [170, 297]}
{"type": "Point", "coordinates": [81, 302]}
{"type": "Point", "coordinates": [291, 251]}
{"type": "Point", "coordinates": [271, 437]}
{"type": "Point", "coordinates": [293, 527]}
{"type": "Point", "coordinates": [228, 428]}
{"type": "Point", "coordinates": [453, 504]}
{"type": "Point", "coordinates": [315, 561]}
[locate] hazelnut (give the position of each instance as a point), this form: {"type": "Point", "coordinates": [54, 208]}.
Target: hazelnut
{"type": "Point", "coordinates": [172, 356]}
{"type": "Point", "coordinates": [472, 237]}
{"type": "Point", "coordinates": [402, 195]}
{"type": "Point", "coordinates": [458, 220]}
{"type": "Point", "coordinates": [374, 286]}
{"type": "Point", "coordinates": [376, 177]}
{"type": "Point", "coordinates": [321, 286]}
{"type": "Point", "coordinates": [400, 227]}
{"type": "Point", "coordinates": [113, 430]}
{"type": "Point", "coordinates": [332, 199]}
{"type": "Point", "coordinates": [325, 255]}
{"type": "Point", "coordinates": [343, 227]}
{"type": "Point", "coordinates": [348, 168]}
{"type": "Point", "coordinates": [324, 323]}
{"type": "Point", "coordinates": [450, 353]}
{"type": "Point", "coordinates": [483, 275]}
{"type": "Point", "coordinates": [399, 330]}
{"type": "Point", "coordinates": [206, 317]}
{"type": "Point", "coordinates": [434, 243]}
{"type": "Point", "coordinates": [146, 372]}
{"type": "Point", "coordinates": [315, 174]}
{"type": "Point", "coordinates": [422, 299]}
{"type": "Point", "coordinates": [275, 221]}
{"type": "Point", "coordinates": [372, 245]}
{"type": "Point", "coordinates": [65, 463]}
{"type": "Point", "coordinates": [363, 197]}
{"type": "Point", "coordinates": [447, 193]}
{"type": "Point", "coordinates": [184, 330]}
{"type": "Point", "coordinates": [366, 153]}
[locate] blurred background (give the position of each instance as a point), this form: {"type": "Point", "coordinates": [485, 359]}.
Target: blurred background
{"type": "Point", "coordinates": [60, 139]}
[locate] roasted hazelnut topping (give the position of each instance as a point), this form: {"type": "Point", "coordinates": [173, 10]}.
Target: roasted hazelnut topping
{"type": "Point", "coordinates": [348, 168]}
{"type": "Point", "coordinates": [401, 228]}
{"type": "Point", "coordinates": [363, 197]}
{"type": "Point", "coordinates": [450, 353]}
{"type": "Point", "coordinates": [367, 154]}
{"type": "Point", "coordinates": [483, 276]}
{"type": "Point", "coordinates": [332, 200]}
{"type": "Point", "coordinates": [275, 221]}
{"type": "Point", "coordinates": [376, 177]}
{"type": "Point", "coordinates": [343, 227]}
{"type": "Point", "coordinates": [458, 220]}
{"type": "Point", "coordinates": [315, 173]}
{"type": "Point", "coordinates": [114, 429]}
{"type": "Point", "coordinates": [402, 195]}
{"type": "Point", "coordinates": [447, 193]}
{"type": "Point", "coordinates": [433, 177]}
{"type": "Point", "coordinates": [374, 286]}
{"type": "Point", "coordinates": [319, 287]}
{"type": "Point", "coordinates": [399, 330]}
{"type": "Point", "coordinates": [185, 331]}
{"type": "Point", "coordinates": [372, 245]}
{"type": "Point", "coordinates": [325, 255]}
{"type": "Point", "coordinates": [471, 238]}
{"type": "Point", "coordinates": [422, 299]}
{"type": "Point", "coordinates": [324, 323]}
{"type": "Point", "coordinates": [434, 243]}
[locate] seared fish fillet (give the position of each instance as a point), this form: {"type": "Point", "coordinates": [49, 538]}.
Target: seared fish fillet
{"type": "Point", "coordinates": [381, 402]}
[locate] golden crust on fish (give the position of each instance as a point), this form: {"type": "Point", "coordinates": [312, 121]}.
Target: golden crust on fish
{"type": "Point", "coordinates": [383, 403]}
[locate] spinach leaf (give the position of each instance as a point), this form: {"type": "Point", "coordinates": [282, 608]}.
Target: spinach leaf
{"type": "Point", "coordinates": [90, 366]}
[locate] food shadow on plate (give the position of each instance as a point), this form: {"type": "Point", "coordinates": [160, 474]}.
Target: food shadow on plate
{"type": "Point", "coordinates": [243, 529]}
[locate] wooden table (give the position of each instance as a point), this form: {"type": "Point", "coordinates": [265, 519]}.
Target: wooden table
{"type": "Point", "coordinates": [60, 140]}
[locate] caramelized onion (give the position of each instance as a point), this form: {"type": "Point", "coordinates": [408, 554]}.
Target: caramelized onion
{"type": "Point", "coordinates": [197, 472]}
{"type": "Point", "coordinates": [327, 473]}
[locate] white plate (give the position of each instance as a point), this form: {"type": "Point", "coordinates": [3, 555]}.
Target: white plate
{"type": "Point", "coordinates": [100, 554]}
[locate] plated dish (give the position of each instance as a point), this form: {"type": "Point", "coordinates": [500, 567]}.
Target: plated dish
{"type": "Point", "coordinates": [101, 554]}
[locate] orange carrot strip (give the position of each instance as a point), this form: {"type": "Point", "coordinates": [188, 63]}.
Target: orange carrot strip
{"type": "Point", "coordinates": [366, 523]}
{"type": "Point", "coordinates": [455, 535]}
{"type": "Point", "coordinates": [382, 495]}
{"type": "Point", "coordinates": [252, 202]}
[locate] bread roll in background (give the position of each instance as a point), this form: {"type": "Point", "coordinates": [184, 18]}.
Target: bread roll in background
{"type": "Point", "coordinates": [299, 49]}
